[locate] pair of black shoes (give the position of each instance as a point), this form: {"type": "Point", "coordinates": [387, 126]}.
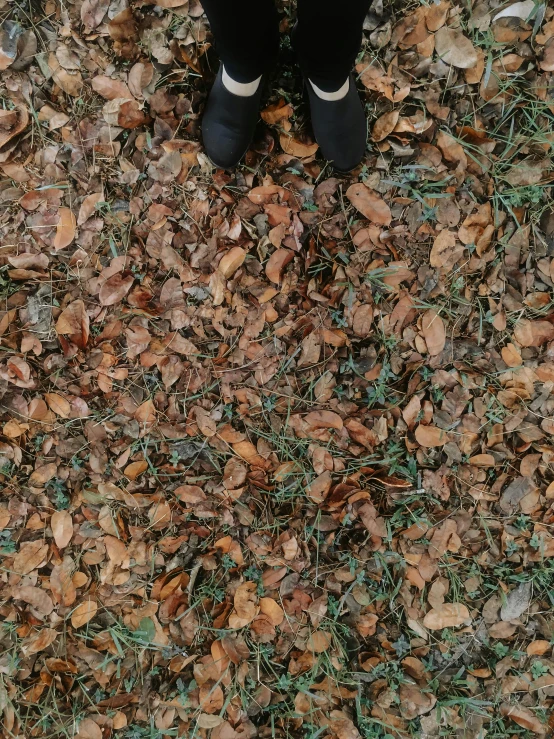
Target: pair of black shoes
{"type": "Point", "coordinates": [229, 122]}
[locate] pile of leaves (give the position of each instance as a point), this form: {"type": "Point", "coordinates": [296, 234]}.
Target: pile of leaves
{"type": "Point", "coordinates": [277, 451]}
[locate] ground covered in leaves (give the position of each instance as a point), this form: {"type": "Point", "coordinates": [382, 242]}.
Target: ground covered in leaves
{"type": "Point", "coordinates": [277, 445]}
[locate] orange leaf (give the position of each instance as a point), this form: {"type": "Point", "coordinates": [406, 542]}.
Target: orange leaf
{"type": "Point", "coordinates": [272, 610]}
{"type": "Point", "coordinates": [65, 230]}
{"type": "Point", "coordinates": [61, 524]}
{"type": "Point", "coordinates": [297, 148]}
{"type": "Point", "coordinates": [58, 404]}
{"type": "Point", "coordinates": [430, 436]}
{"type": "Point", "coordinates": [385, 125]}
{"type": "Point", "coordinates": [276, 264]}
{"type": "Point", "coordinates": [369, 203]}
{"type": "Point", "coordinates": [84, 613]}
{"type": "Point", "coordinates": [434, 333]}
{"type": "Point", "coordinates": [231, 261]}
{"type": "Point", "coordinates": [74, 322]}
{"type": "Point", "coordinates": [447, 616]}
{"type": "Point", "coordinates": [133, 470]}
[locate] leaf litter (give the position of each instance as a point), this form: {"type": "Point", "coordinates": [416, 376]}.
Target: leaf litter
{"type": "Point", "coordinates": [277, 453]}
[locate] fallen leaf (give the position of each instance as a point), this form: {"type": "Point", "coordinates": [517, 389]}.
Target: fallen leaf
{"type": "Point", "coordinates": [73, 321]}
{"type": "Point", "coordinates": [533, 333]}
{"type": "Point", "coordinates": [88, 207]}
{"type": "Point", "coordinates": [430, 436]}
{"type": "Point", "coordinates": [446, 250]}
{"type": "Point", "coordinates": [523, 717]}
{"type": "Point", "coordinates": [109, 88]}
{"type": "Point", "coordinates": [276, 264]}
{"type": "Point", "coordinates": [115, 288]}
{"type": "Point", "coordinates": [61, 524]}
{"type": "Point", "coordinates": [434, 333]}
{"type": "Point", "coordinates": [517, 602]}
{"type": "Point", "coordinates": [454, 48]}
{"type": "Point", "coordinates": [272, 610]}
{"type": "Point", "coordinates": [84, 613]}
{"type": "Point", "coordinates": [385, 125]}
{"type": "Point", "coordinates": [38, 642]}
{"type": "Point", "coordinates": [448, 616]}
{"type": "Point", "coordinates": [369, 203]}
{"type": "Point", "coordinates": [517, 10]}
{"type": "Point", "coordinates": [93, 12]}
{"type": "Point", "coordinates": [35, 597]}
{"type": "Point", "coordinates": [65, 230]}
{"type": "Point", "coordinates": [246, 605]}
{"type": "Point", "coordinates": [297, 148]}
{"type": "Point", "coordinates": [31, 555]}
{"type": "Point", "coordinates": [231, 261]}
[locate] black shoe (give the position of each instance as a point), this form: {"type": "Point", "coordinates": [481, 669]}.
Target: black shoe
{"type": "Point", "coordinates": [229, 123]}
{"type": "Point", "coordinates": [340, 127]}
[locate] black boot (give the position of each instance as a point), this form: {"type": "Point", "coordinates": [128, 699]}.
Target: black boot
{"type": "Point", "coordinates": [228, 123]}
{"type": "Point", "coordinates": [340, 127]}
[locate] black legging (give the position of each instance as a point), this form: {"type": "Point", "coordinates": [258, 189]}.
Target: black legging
{"type": "Point", "coordinates": [326, 39]}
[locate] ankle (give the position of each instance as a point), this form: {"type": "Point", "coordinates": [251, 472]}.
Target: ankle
{"type": "Point", "coordinates": [332, 96]}
{"type": "Point", "coordinates": [242, 89]}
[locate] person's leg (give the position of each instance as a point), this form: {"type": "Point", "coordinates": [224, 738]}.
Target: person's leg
{"type": "Point", "coordinates": [327, 40]}
{"type": "Point", "coordinates": [246, 36]}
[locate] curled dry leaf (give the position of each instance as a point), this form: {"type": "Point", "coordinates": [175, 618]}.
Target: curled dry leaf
{"type": "Point", "coordinates": [276, 264]}
{"type": "Point", "coordinates": [297, 148]}
{"type": "Point", "coordinates": [277, 112]}
{"type": "Point", "coordinates": [369, 203]}
{"type": "Point", "coordinates": [12, 123]}
{"type": "Point", "coordinates": [231, 261]}
{"type": "Point", "coordinates": [246, 605]}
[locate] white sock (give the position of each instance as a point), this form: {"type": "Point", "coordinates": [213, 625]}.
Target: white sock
{"type": "Point", "coordinates": [243, 89]}
{"type": "Point", "coordinates": [330, 96]}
